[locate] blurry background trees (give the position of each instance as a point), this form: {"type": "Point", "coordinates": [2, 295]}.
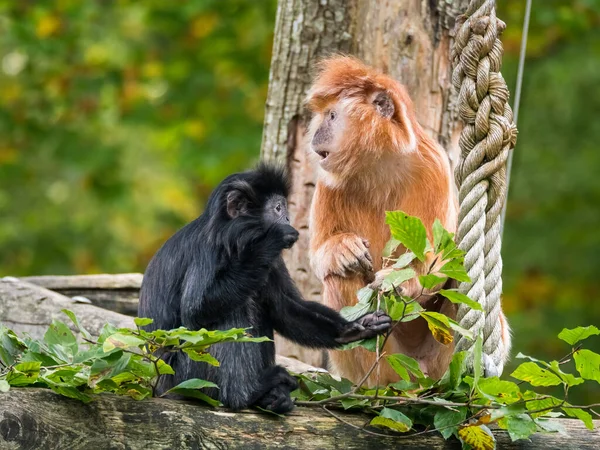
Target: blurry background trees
{"type": "Point", "coordinates": [117, 118]}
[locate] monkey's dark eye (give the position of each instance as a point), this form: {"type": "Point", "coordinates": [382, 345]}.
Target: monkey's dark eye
{"type": "Point", "coordinates": [332, 115]}
{"type": "Point", "coordinates": [278, 207]}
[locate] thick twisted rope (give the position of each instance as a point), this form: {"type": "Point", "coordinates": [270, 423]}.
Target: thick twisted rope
{"type": "Point", "coordinates": [488, 136]}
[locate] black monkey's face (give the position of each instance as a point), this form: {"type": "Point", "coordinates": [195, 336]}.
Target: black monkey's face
{"type": "Point", "coordinates": [275, 211]}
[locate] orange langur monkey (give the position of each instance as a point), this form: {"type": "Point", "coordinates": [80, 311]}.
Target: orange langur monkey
{"type": "Point", "coordinates": [374, 157]}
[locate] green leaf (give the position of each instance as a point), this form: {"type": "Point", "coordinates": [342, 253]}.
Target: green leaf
{"type": "Point", "coordinates": [71, 392]}
{"type": "Point", "coordinates": [395, 308]}
{"type": "Point", "coordinates": [430, 281]}
{"type": "Point", "coordinates": [500, 390]}
{"type": "Point", "coordinates": [71, 315]}
{"type": "Point", "coordinates": [109, 366]}
{"type": "Point", "coordinates": [396, 278]}
{"type": "Point", "coordinates": [352, 313]}
{"type": "Point", "coordinates": [403, 364]}
{"type": "Point", "coordinates": [404, 385]}
{"type": "Point", "coordinates": [580, 414]}
{"type": "Point", "coordinates": [408, 230]}
{"type": "Point", "coordinates": [551, 426]}
{"type": "Point", "coordinates": [453, 375]}
{"type": "Point", "coordinates": [24, 374]}
{"type": "Point", "coordinates": [365, 295]}
{"type": "Point", "coordinates": [460, 330]}
{"type": "Point", "coordinates": [519, 426]}
{"type": "Point", "coordinates": [455, 269]}
{"type": "Point", "coordinates": [451, 251]}
{"type": "Point", "coordinates": [477, 436]}
{"type": "Point", "coordinates": [390, 247]}
{"type": "Point", "coordinates": [477, 361]}
{"type": "Point", "coordinates": [142, 321]}
{"type": "Point", "coordinates": [439, 233]}
{"type": "Point", "coordinates": [535, 375]}
{"type": "Point", "coordinates": [66, 376]}
{"type": "Point", "coordinates": [164, 368]}
{"type": "Point", "coordinates": [201, 356]}
{"type": "Point", "coordinates": [578, 334]}
{"type": "Point", "coordinates": [10, 346]}
{"type": "Point", "coordinates": [438, 325]}
{"type": "Point", "coordinates": [567, 378]}
{"type": "Point", "coordinates": [404, 260]}
{"type": "Point", "coordinates": [61, 341]}
{"type": "Point", "coordinates": [120, 340]}
{"type": "Point", "coordinates": [135, 391]}
{"type": "Point", "coordinates": [587, 364]}
{"type": "Point", "coordinates": [457, 297]}
{"type": "Point", "coordinates": [536, 402]}
{"type": "Point", "coordinates": [446, 421]}
{"type": "Point", "coordinates": [348, 403]}
{"type": "Point", "coordinates": [413, 308]}
{"type": "Point", "coordinates": [4, 386]}
{"type": "Point", "coordinates": [191, 388]}
{"type": "Point", "coordinates": [392, 419]}
{"type": "Point", "coordinates": [368, 344]}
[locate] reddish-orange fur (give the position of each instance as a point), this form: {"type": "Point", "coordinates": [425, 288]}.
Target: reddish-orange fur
{"type": "Point", "coordinates": [380, 164]}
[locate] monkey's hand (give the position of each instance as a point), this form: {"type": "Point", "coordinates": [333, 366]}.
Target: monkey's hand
{"type": "Point", "coordinates": [344, 255]}
{"type": "Point", "coordinates": [368, 326]}
{"type": "Point", "coordinates": [283, 236]}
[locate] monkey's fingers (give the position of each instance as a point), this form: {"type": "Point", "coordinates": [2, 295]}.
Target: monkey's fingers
{"type": "Point", "coordinates": [363, 257]}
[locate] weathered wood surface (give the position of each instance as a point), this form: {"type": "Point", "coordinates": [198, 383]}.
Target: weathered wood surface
{"type": "Point", "coordinates": [118, 292]}
{"type": "Point", "coordinates": [33, 418]}
{"type": "Point", "coordinates": [409, 39]}
{"type": "Point", "coordinates": [28, 308]}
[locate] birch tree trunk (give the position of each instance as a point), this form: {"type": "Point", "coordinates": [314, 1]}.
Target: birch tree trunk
{"type": "Point", "coordinates": [408, 39]}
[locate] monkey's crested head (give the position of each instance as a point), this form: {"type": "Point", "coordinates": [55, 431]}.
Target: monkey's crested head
{"type": "Point", "coordinates": [362, 118]}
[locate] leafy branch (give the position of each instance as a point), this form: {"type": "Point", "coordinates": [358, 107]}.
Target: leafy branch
{"type": "Point", "coordinates": [461, 404]}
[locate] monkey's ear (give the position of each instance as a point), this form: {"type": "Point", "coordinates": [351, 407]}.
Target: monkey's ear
{"type": "Point", "coordinates": [384, 104]}
{"type": "Point", "coordinates": [237, 204]}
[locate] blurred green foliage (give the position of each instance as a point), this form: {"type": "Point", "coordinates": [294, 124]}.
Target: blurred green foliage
{"type": "Point", "coordinates": [117, 118]}
{"type": "Point", "coordinates": [551, 242]}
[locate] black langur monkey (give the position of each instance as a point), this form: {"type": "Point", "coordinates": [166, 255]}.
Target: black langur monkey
{"type": "Point", "coordinates": [224, 270]}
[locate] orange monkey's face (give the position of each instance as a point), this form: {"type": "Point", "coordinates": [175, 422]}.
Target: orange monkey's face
{"type": "Point", "coordinates": [328, 128]}
{"type": "Point", "coordinates": [354, 133]}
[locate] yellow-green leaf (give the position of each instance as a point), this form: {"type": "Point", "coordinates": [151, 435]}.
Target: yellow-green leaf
{"type": "Point", "coordinates": [430, 281]}
{"type": "Point", "coordinates": [438, 325]}
{"type": "Point", "coordinates": [409, 230]}
{"type": "Point", "coordinates": [580, 414]}
{"type": "Point", "coordinates": [572, 336]}
{"type": "Point", "coordinates": [479, 437]}
{"type": "Point", "coordinates": [457, 297]}
{"type": "Point", "coordinates": [535, 375]}
{"type": "Point", "coordinates": [392, 419]}
{"type": "Point", "coordinates": [587, 364]}
{"type": "Point", "coordinates": [120, 340]}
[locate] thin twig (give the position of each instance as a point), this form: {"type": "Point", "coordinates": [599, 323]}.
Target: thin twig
{"type": "Point", "coordinates": [352, 425]}
{"type": "Point", "coordinates": [567, 358]}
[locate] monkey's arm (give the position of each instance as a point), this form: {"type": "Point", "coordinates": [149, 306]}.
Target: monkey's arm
{"type": "Point", "coordinates": [312, 324]}
{"type": "Point", "coordinates": [332, 250]}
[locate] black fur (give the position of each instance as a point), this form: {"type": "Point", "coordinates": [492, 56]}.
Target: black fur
{"type": "Point", "coordinates": [220, 272]}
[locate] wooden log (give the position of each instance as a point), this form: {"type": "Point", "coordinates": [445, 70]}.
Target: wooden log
{"type": "Point", "coordinates": [27, 308]}
{"type": "Point", "coordinates": [118, 292]}
{"type": "Point", "coordinates": [32, 418]}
